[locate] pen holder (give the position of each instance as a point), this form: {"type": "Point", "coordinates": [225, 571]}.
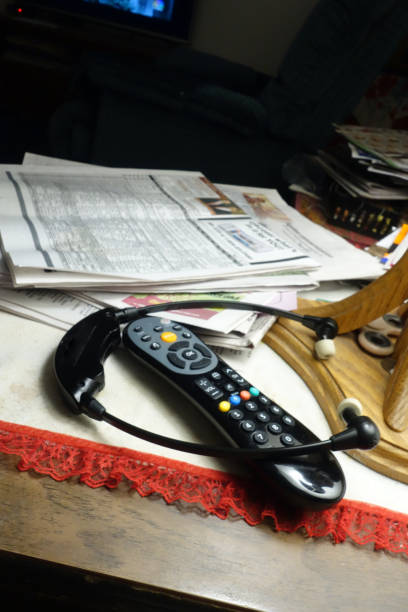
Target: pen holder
{"type": "Point", "coordinates": [359, 215]}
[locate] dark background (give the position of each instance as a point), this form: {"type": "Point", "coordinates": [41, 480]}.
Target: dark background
{"type": "Point", "coordinates": [37, 60]}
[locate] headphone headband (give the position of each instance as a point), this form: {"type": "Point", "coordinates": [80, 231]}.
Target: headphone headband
{"type": "Point", "coordinates": [81, 354]}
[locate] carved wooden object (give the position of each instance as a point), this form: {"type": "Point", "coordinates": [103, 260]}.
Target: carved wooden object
{"type": "Point", "coordinates": [353, 373]}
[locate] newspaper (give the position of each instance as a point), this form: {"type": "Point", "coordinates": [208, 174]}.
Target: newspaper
{"type": "Point", "coordinates": [54, 308]}
{"type": "Point", "coordinates": [281, 281]}
{"type": "Point", "coordinates": [243, 344]}
{"type": "Point", "coordinates": [236, 330]}
{"type": "Point", "coordinates": [389, 146]}
{"type": "Point", "coordinates": [337, 258]}
{"type": "Point", "coordinates": [356, 184]}
{"type": "Point", "coordinates": [70, 226]}
{"type": "Point", "coordinates": [5, 280]}
{"type": "Point", "coordinates": [231, 329]}
{"type": "Point", "coordinates": [223, 329]}
{"type": "Point", "coordinates": [212, 319]}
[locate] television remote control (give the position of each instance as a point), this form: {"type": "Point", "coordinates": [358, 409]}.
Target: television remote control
{"type": "Point", "coordinates": [246, 417]}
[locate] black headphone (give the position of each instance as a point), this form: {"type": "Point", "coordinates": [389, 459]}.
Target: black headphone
{"type": "Point", "coordinates": [80, 356]}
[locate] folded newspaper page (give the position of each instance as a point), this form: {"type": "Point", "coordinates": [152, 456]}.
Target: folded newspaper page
{"type": "Point", "coordinates": [214, 319]}
{"type": "Point", "coordinates": [337, 258]}
{"type": "Point", "coordinates": [52, 307]}
{"type": "Point", "coordinates": [233, 330]}
{"type": "Point", "coordinates": [72, 226]}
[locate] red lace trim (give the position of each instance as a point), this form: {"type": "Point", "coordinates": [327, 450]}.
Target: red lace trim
{"type": "Point", "coordinates": [219, 493]}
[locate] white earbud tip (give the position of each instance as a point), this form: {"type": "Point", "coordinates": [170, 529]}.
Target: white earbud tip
{"type": "Point", "coordinates": [324, 348]}
{"type": "Point", "coordinates": [350, 402]}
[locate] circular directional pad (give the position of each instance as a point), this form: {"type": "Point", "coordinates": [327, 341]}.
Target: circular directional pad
{"type": "Point", "coordinates": [189, 355]}
{"type": "Point", "coordinates": [172, 344]}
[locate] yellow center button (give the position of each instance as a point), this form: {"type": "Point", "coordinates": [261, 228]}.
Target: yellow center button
{"type": "Point", "coordinates": [224, 406]}
{"type": "Point", "coordinates": [168, 336]}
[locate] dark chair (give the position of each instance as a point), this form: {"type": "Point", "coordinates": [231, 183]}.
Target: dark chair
{"type": "Point", "coordinates": [194, 111]}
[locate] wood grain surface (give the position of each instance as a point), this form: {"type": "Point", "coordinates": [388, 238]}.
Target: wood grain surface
{"type": "Point", "coordinates": [349, 373]}
{"type": "Point", "coordinates": [379, 297]}
{"type": "Point", "coordinates": [113, 550]}
{"type": "Point", "coordinates": [395, 406]}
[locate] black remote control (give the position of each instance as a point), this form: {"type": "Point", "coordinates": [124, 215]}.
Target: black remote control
{"type": "Point", "coordinates": [246, 417]}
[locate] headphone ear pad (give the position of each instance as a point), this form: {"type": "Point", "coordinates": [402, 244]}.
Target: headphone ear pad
{"type": "Point", "coordinates": [350, 403]}
{"type": "Point", "coordinates": [324, 348]}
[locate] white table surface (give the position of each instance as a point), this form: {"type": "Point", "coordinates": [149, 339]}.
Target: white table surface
{"type": "Point", "coordinates": [30, 396]}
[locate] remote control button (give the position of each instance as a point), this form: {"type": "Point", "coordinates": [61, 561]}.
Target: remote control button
{"type": "Point", "coordinates": [214, 393]}
{"type": "Point", "coordinates": [209, 388]}
{"type": "Point", "coordinates": [235, 400]}
{"type": "Point", "coordinates": [232, 374]}
{"type": "Point", "coordinates": [216, 375]}
{"type": "Point", "coordinates": [198, 365]}
{"type": "Point", "coordinates": [228, 371]}
{"type": "Point", "coordinates": [229, 387]}
{"type": "Point", "coordinates": [186, 334]}
{"type": "Point", "coordinates": [203, 383]}
{"type": "Point", "coordinates": [189, 354]}
{"type": "Point", "coordinates": [137, 328]}
{"type": "Point", "coordinates": [275, 410]}
{"type": "Point", "coordinates": [236, 414]}
{"type": "Point", "coordinates": [254, 391]}
{"type": "Point", "coordinates": [178, 345]}
{"type": "Point", "coordinates": [275, 428]}
{"type": "Point", "coordinates": [224, 406]}
{"type": "Point", "coordinates": [203, 350]}
{"type": "Point", "coordinates": [288, 420]}
{"type": "Point", "coordinates": [176, 361]}
{"type": "Point", "coordinates": [287, 439]}
{"type": "Point", "coordinates": [168, 336]}
{"type": "Point", "coordinates": [251, 406]}
{"type": "Point", "coordinates": [262, 399]}
{"type": "Point", "coordinates": [145, 338]}
{"type": "Point", "coordinates": [176, 327]}
{"type": "Point", "coordinates": [260, 437]}
{"type": "Point", "coordinates": [158, 328]}
{"type": "Point", "coordinates": [155, 346]}
{"type": "Point", "coordinates": [248, 425]}
{"type": "Point", "coordinates": [240, 381]}
{"type": "Point", "coordinates": [263, 417]}
{"type": "Point", "coordinates": [245, 395]}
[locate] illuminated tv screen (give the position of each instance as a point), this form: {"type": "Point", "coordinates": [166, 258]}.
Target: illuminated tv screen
{"type": "Point", "coordinates": [155, 9]}
{"type": "Point", "coordinates": [170, 18]}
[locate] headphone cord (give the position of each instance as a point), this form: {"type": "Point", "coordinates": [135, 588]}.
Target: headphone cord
{"type": "Point", "coordinates": [95, 410]}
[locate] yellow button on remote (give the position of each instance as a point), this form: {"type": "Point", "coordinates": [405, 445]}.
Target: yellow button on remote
{"type": "Point", "coordinates": [168, 336]}
{"type": "Point", "coordinates": [224, 406]}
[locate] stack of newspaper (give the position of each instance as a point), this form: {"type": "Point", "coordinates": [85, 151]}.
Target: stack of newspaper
{"type": "Point", "coordinates": [75, 238]}
{"type": "Point", "coordinates": [372, 165]}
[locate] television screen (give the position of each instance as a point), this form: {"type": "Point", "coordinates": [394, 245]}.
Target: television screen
{"type": "Point", "coordinates": [156, 9]}
{"type": "Point", "coordinates": [166, 17]}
